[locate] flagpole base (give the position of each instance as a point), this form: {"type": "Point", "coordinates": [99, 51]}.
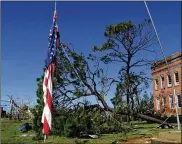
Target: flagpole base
{"type": "Point", "coordinates": [44, 138]}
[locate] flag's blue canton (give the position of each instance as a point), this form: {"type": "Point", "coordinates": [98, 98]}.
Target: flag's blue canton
{"type": "Point", "coordinates": [52, 46]}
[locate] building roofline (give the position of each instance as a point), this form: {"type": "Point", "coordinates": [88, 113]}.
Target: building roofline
{"type": "Point", "coordinates": [169, 59]}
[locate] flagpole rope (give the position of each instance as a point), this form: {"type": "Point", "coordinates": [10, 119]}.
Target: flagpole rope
{"type": "Point", "coordinates": [162, 50]}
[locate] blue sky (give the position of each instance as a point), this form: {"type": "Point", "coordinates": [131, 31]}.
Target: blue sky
{"type": "Point", "coordinates": [26, 25]}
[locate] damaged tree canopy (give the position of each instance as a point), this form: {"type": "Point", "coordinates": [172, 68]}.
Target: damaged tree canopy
{"type": "Point", "coordinates": [75, 78]}
{"type": "Point", "coordinates": [83, 76]}
{"type": "Point", "coordinates": [77, 75]}
{"type": "Point", "coordinates": [125, 43]}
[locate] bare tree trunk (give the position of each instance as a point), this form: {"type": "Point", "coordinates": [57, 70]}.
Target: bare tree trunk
{"type": "Point", "coordinates": [128, 85]}
{"type": "Point", "coordinates": [128, 106]}
{"type": "Point", "coordinates": [138, 103]}
{"type": "Point", "coordinates": [100, 97]}
{"type": "Point", "coordinates": [103, 102]}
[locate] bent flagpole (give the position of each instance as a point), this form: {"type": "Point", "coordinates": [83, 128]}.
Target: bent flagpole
{"type": "Point", "coordinates": [48, 76]}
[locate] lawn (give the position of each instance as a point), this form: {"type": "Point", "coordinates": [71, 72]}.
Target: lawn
{"type": "Point", "coordinates": [9, 134]}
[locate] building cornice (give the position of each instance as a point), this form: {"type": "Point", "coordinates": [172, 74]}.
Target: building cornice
{"type": "Point", "coordinates": [170, 59]}
{"type": "Point", "coordinates": [163, 70]}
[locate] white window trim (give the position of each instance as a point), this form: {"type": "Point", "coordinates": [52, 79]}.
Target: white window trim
{"type": "Point", "coordinates": [169, 85]}
{"type": "Point", "coordinates": [176, 83]}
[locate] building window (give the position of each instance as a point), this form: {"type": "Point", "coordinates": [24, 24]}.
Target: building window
{"type": "Point", "coordinates": [156, 84]}
{"type": "Point", "coordinates": [171, 101]}
{"type": "Point", "coordinates": [179, 100]}
{"type": "Point", "coordinates": [169, 80]}
{"type": "Point", "coordinates": [162, 82]}
{"type": "Point", "coordinates": [176, 77]}
{"type": "Point", "coordinates": [157, 103]}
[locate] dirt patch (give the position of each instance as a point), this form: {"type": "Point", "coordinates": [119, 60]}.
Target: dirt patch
{"type": "Point", "coordinates": [170, 136]}
{"type": "Point", "coordinates": [138, 141]}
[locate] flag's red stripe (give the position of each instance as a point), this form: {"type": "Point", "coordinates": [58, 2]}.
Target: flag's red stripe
{"type": "Point", "coordinates": [49, 100]}
{"type": "Point", "coordinates": [46, 82]}
{"type": "Point", "coordinates": [50, 70]}
{"type": "Point", "coordinates": [58, 43]}
{"type": "Point", "coordinates": [46, 126]}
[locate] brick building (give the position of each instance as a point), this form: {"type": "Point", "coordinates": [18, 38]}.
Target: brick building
{"type": "Point", "coordinates": [162, 83]}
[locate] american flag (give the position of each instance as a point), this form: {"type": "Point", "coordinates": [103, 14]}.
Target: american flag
{"type": "Point", "coordinates": [47, 83]}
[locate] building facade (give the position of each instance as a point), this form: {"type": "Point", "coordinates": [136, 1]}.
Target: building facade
{"type": "Point", "coordinates": [167, 85]}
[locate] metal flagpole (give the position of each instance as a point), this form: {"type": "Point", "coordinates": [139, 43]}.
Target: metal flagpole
{"type": "Point", "coordinates": [177, 116]}
{"type": "Point", "coordinates": [55, 6]}
{"type": "Point", "coordinates": [44, 138]}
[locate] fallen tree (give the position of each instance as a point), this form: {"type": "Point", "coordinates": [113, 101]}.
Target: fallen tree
{"type": "Point", "coordinates": [151, 119]}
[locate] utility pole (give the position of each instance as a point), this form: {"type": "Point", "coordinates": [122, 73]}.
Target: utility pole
{"type": "Point", "coordinates": [11, 106]}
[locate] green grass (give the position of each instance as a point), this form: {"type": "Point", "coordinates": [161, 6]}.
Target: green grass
{"type": "Point", "coordinates": [9, 134]}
